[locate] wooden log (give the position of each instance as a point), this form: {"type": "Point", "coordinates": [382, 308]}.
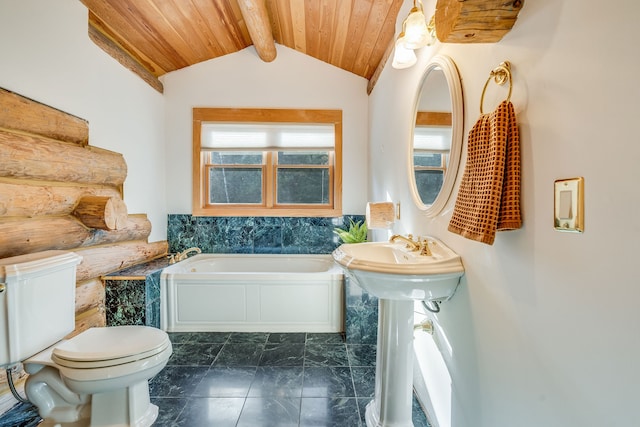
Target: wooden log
{"type": "Point", "coordinates": [93, 318]}
{"type": "Point", "coordinates": [89, 294]}
{"type": "Point", "coordinates": [101, 260]}
{"type": "Point", "coordinates": [256, 17]}
{"type": "Point", "coordinates": [26, 198]}
{"type": "Point", "coordinates": [100, 36]}
{"type": "Point", "coordinates": [26, 115]}
{"type": "Point", "coordinates": [383, 61]}
{"type": "Point", "coordinates": [38, 158]}
{"type": "Point", "coordinates": [23, 236]}
{"type": "Point", "coordinates": [475, 21]}
{"type": "Point", "coordinates": [137, 227]}
{"type": "Point", "coordinates": [104, 213]}
{"type": "Point", "coordinates": [28, 235]}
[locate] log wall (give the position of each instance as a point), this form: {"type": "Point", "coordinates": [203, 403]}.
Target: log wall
{"type": "Point", "coordinates": [58, 192]}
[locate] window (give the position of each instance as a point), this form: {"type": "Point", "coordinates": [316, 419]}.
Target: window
{"type": "Point", "coordinates": [431, 147]}
{"type": "Point", "coordinates": [261, 162]}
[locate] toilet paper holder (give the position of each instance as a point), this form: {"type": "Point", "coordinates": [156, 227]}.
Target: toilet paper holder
{"type": "Point", "coordinates": [382, 214]}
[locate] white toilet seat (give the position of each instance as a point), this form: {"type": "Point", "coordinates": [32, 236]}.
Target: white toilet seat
{"type": "Point", "coordinates": [78, 375]}
{"type": "Point", "coordinates": [112, 346]}
{"type": "Point", "coordinates": [105, 353]}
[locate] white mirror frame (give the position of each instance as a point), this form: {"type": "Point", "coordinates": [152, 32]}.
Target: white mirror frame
{"type": "Point", "coordinates": [450, 72]}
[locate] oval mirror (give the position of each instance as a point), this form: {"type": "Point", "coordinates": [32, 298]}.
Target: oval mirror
{"type": "Point", "coordinates": [437, 135]}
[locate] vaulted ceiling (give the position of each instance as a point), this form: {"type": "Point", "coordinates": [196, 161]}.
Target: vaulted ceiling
{"type": "Point", "coordinates": [159, 36]}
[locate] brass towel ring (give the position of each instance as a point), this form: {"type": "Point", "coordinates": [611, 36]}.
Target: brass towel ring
{"type": "Point", "coordinates": [500, 75]}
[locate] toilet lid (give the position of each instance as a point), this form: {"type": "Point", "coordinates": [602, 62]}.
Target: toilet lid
{"type": "Point", "coordinates": [97, 347]}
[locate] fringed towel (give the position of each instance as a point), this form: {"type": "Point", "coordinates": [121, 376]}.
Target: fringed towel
{"type": "Point", "coordinates": [489, 195]}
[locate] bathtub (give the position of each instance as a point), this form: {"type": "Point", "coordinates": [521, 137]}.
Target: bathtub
{"type": "Point", "coordinates": [252, 293]}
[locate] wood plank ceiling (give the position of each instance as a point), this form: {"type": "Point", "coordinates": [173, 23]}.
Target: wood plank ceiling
{"type": "Point", "coordinates": [165, 35]}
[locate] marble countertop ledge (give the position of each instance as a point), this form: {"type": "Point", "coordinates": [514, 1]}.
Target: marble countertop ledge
{"type": "Point", "coordinates": [140, 271]}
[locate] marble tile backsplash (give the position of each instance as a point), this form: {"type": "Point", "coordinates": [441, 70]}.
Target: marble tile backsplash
{"type": "Point", "coordinates": [259, 235]}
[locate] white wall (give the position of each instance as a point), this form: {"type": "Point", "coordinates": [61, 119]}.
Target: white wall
{"type": "Point", "coordinates": [543, 330]}
{"type": "Point", "coordinates": [46, 55]}
{"type": "Point", "coordinates": [242, 79]}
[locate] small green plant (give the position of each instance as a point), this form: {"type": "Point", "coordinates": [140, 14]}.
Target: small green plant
{"type": "Point", "coordinates": [357, 232]}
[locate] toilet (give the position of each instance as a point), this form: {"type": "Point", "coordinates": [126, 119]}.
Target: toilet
{"type": "Point", "coordinates": [101, 376]}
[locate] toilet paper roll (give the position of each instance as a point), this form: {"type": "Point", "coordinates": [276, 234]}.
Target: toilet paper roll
{"type": "Point", "coordinates": [380, 215]}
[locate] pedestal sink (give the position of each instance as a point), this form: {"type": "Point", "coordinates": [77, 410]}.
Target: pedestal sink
{"type": "Point", "coordinates": [398, 276]}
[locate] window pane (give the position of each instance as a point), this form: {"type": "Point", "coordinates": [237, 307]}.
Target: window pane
{"type": "Point", "coordinates": [300, 185]}
{"type": "Point", "coordinates": [235, 158]}
{"type": "Point", "coordinates": [235, 185]}
{"type": "Point", "coordinates": [429, 183]}
{"type": "Point", "coordinates": [303, 157]}
{"type": "Point", "coordinates": [427, 159]}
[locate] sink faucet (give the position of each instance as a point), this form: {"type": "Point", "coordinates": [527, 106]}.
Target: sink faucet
{"type": "Point", "coordinates": [422, 246]}
{"type": "Point", "coordinates": [411, 244]}
{"type": "Point", "coordinates": [183, 255]}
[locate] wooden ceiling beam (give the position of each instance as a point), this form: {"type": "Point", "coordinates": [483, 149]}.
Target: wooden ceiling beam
{"type": "Point", "coordinates": [256, 18]}
{"type": "Point", "coordinates": [124, 57]}
{"type": "Point", "coordinates": [475, 21]}
{"type": "Point", "coordinates": [383, 61]}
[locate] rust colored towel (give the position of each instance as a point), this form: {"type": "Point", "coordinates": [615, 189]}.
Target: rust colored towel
{"type": "Point", "coordinates": [489, 195]}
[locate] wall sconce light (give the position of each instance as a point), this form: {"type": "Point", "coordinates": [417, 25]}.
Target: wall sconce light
{"type": "Point", "coordinates": [415, 25]}
{"type": "Point", "coordinates": [403, 57]}
{"type": "Point", "coordinates": [415, 35]}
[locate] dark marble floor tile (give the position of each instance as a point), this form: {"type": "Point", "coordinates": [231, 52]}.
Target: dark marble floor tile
{"type": "Point", "coordinates": [21, 415]}
{"type": "Point", "coordinates": [418, 416]}
{"type": "Point", "coordinates": [362, 408]}
{"type": "Point", "coordinates": [321, 412]}
{"type": "Point", "coordinates": [240, 354]}
{"type": "Point", "coordinates": [316, 393]}
{"type": "Point", "coordinates": [211, 337]}
{"type": "Point", "coordinates": [325, 338]}
{"type": "Point", "coordinates": [283, 355]}
{"type": "Point", "coordinates": [275, 381]}
{"type": "Point", "coordinates": [270, 412]}
{"type": "Point", "coordinates": [169, 409]}
{"type": "Point", "coordinates": [176, 381]}
{"type": "Point", "coordinates": [194, 354]}
{"type": "Point", "coordinates": [181, 337]}
{"type": "Point", "coordinates": [226, 382]}
{"type": "Point", "coordinates": [218, 412]}
{"type": "Point", "coordinates": [327, 382]}
{"type": "Point", "coordinates": [247, 337]}
{"type": "Point", "coordinates": [276, 338]}
{"type": "Point", "coordinates": [364, 380]}
{"type": "Point", "coordinates": [326, 355]}
{"type": "Point", "coordinates": [362, 354]}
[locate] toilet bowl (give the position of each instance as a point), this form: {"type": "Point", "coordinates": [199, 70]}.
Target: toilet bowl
{"type": "Point", "coordinates": [97, 378]}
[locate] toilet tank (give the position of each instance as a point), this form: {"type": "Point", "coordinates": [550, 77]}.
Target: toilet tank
{"type": "Point", "coordinates": [37, 302]}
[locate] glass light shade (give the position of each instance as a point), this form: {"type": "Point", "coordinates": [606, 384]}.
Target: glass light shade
{"type": "Point", "coordinates": [416, 32]}
{"type": "Point", "coordinates": [403, 57]}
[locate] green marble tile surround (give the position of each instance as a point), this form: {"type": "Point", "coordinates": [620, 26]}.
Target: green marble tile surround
{"type": "Point", "coordinates": [132, 295]}
{"type": "Point", "coordinates": [361, 315]}
{"type": "Point", "coordinates": [258, 235]}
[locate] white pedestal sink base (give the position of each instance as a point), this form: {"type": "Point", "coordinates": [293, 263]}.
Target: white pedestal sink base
{"type": "Point", "coordinates": [398, 276]}
{"type": "Point", "coordinates": [392, 403]}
